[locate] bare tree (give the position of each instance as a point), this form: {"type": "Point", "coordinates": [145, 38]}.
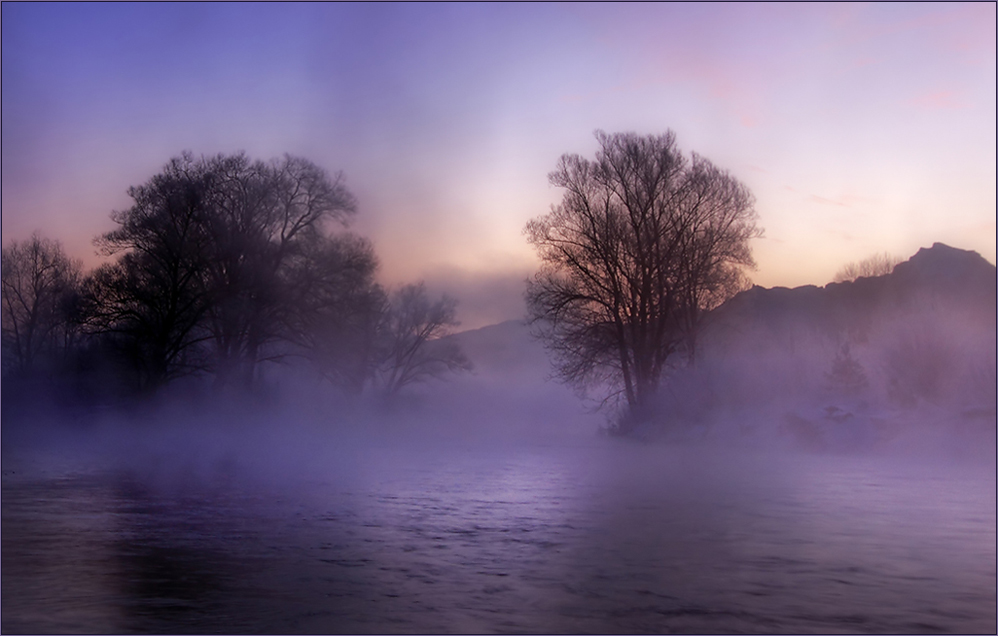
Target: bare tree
{"type": "Point", "coordinates": [876, 265]}
{"type": "Point", "coordinates": [643, 243]}
{"type": "Point", "coordinates": [152, 301]}
{"type": "Point", "coordinates": [206, 257]}
{"type": "Point", "coordinates": [338, 308]}
{"type": "Point", "coordinates": [413, 350]}
{"type": "Point", "coordinates": [39, 285]}
{"type": "Point", "coordinates": [261, 217]}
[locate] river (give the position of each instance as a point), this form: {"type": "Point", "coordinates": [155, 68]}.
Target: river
{"type": "Point", "coordinates": [586, 536]}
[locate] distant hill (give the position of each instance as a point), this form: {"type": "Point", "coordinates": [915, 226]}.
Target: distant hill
{"type": "Point", "coordinates": [849, 365]}
{"type": "Point", "coordinates": [941, 277]}
{"type": "Point", "coordinates": [949, 279]}
{"type": "Point", "coordinates": [505, 350]}
{"type": "Point", "coordinates": [876, 362]}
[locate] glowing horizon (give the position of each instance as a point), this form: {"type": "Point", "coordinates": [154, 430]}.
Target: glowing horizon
{"type": "Point", "coordinates": [859, 128]}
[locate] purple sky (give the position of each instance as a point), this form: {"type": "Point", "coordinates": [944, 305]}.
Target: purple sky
{"type": "Point", "coordinates": [860, 128]}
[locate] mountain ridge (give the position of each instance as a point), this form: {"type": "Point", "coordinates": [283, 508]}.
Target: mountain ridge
{"type": "Point", "coordinates": [959, 280]}
{"type": "Point", "coordinates": [944, 277]}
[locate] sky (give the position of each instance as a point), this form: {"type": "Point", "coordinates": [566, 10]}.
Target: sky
{"type": "Point", "coordinates": [859, 128]}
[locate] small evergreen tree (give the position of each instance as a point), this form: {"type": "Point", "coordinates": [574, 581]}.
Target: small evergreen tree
{"type": "Point", "coordinates": [846, 376]}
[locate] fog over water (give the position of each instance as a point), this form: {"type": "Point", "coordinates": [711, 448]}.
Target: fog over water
{"type": "Point", "coordinates": [405, 318]}
{"type": "Point", "coordinates": [458, 511]}
{"type": "Point", "coordinates": [827, 465]}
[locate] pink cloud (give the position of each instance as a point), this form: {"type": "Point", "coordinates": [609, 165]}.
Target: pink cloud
{"type": "Point", "coordinates": [814, 198]}
{"type": "Point", "coordinates": [939, 100]}
{"type": "Point", "coordinates": [845, 200]}
{"type": "Point", "coordinates": [856, 25]}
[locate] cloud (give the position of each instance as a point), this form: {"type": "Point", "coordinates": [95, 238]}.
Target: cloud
{"type": "Point", "coordinates": [814, 198]}
{"type": "Point", "coordinates": [940, 100]}
{"type": "Point", "coordinates": [843, 200]}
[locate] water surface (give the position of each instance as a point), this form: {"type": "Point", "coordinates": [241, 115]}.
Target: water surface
{"type": "Point", "coordinates": [583, 537]}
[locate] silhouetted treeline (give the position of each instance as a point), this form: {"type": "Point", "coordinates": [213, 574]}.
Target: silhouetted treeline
{"type": "Point", "coordinates": [221, 267]}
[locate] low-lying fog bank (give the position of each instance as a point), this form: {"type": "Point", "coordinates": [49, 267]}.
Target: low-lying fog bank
{"type": "Point", "coordinates": [299, 434]}
{"type": "Point", "coordinates": [468, 511]}
{"type": "Point", "coordinates": [900, 364]}
{"type": "Point", "coordinates": [493, 503]}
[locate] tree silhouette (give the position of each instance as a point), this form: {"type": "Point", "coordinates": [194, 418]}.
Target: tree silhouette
{"type": "Point", "coordinates": [411, 332]}
{"type": "Point", "coordinates": [261, 217]}
{"type": "Point", "coordinates": [644, 242]}
{"type": "Point", "coordinates": [876, 265]}
{"type": "Point", "coordinates": [339, 309]}
{"type": "Point", "coordinates": [208, 257]}
{"type": "Point", "coordinates": [39, 284]}
{"type": "Point", "coordinates": [846, 376]}
{"type": "Point", "coordinates": [151, 301]}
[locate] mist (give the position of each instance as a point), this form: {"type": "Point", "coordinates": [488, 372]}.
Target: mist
{"type": "Point", "coordinates": [493, 500]}
{"type": "Point", "coordinates": [234, 426]}
{"type": "Point", "coordinates": [405, 318]}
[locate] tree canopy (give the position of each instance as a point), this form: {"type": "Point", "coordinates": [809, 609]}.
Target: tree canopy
{"type": "Point", "coordinates": [207, 253]}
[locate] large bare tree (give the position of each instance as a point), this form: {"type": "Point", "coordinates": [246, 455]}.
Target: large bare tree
{"type": "Point", "coordinates": [260, 218]}
{"type": "Point", "coordinates": [207, 259]}
{"type": "Point", "coordinates": [644, 242]}
{"type": "Point", "coordinates": [151, 302]}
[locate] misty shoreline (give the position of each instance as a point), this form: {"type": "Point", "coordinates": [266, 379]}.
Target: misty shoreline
{"type": "Point", "coordinates": [195, 443]}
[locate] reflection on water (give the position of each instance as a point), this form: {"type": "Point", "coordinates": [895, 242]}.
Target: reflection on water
{"type": "Point", "coordinates": [607, 538]}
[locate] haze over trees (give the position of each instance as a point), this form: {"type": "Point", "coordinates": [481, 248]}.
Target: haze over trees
{"type": "Point", "coordinates": [222, 265]}
{"type": "Point", "coordinates": [208, 255]}
{"type": "Point", "coordinates": [850, 366]}
{"type": "Point", "coordinates": [231, 276]}
{"type": "Point", "coordinates": [645, 241]}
